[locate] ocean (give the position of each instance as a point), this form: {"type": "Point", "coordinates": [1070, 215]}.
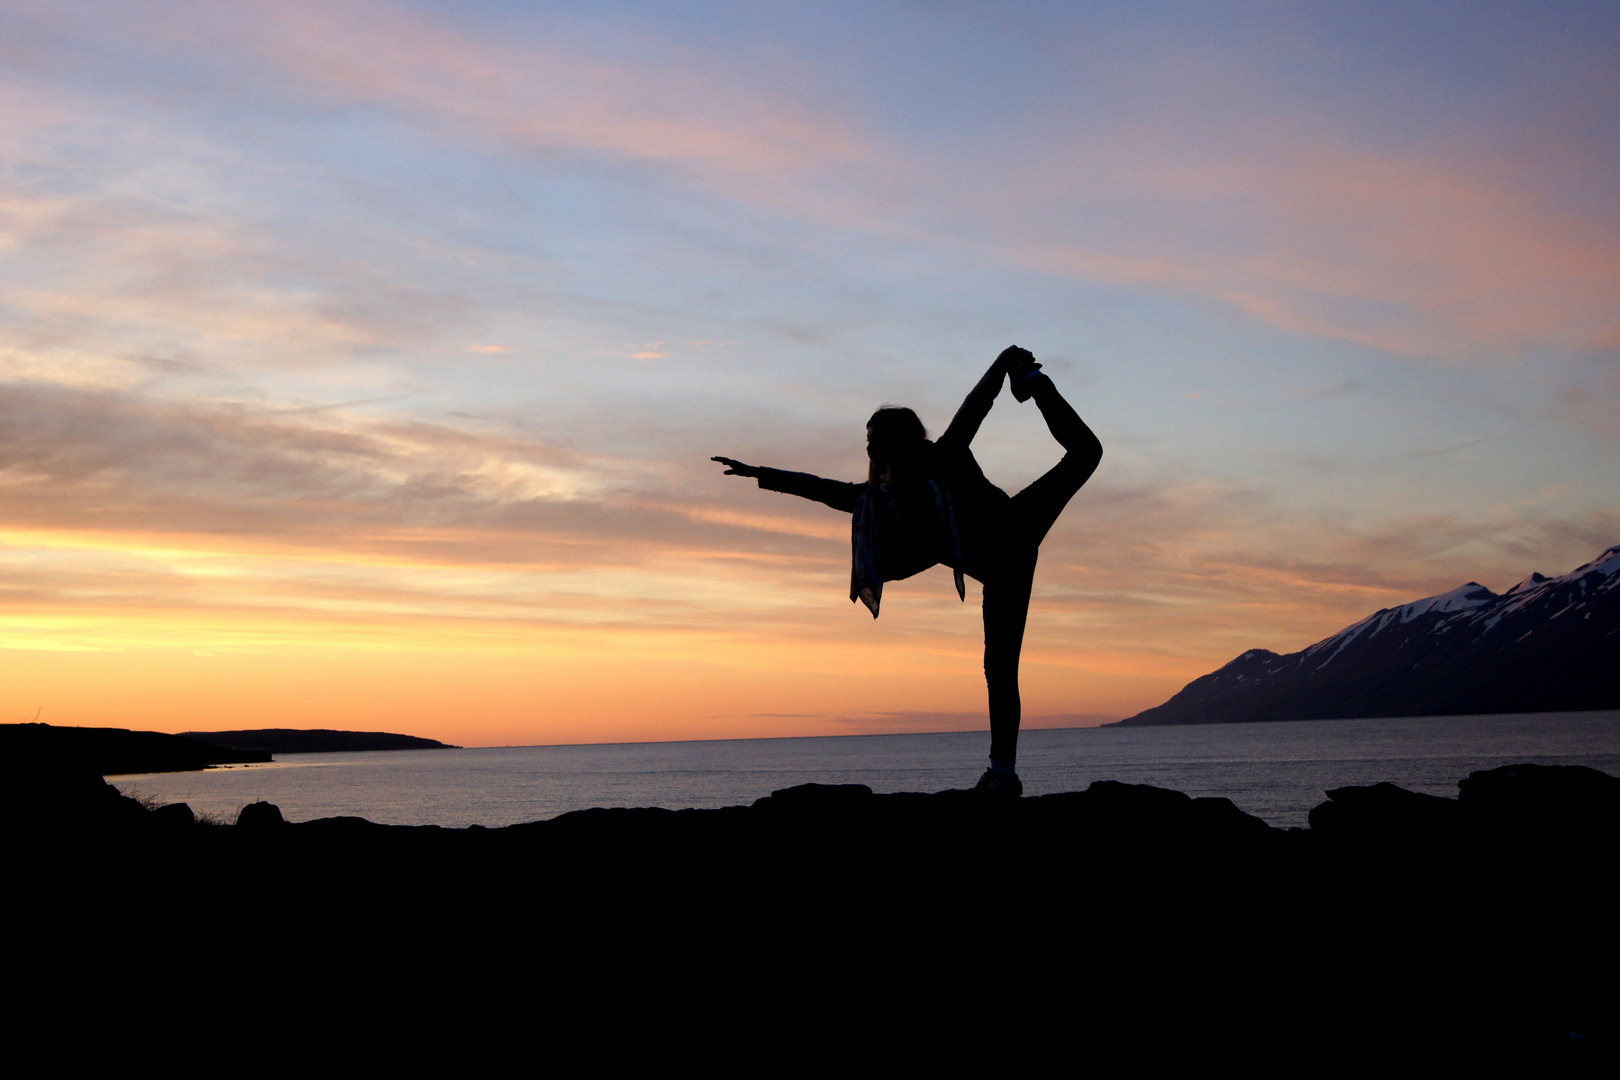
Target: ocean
{"type": "Point", "coordinates": [1276, 771]}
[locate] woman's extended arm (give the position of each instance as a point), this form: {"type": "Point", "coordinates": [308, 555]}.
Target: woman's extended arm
{"type": "Point", "coordinates": [835, 493]}
{"type": "Point", "coordinates": [965, 424]}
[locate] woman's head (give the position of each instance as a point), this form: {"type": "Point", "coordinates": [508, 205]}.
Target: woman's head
{"type": "Point", "coordinates": [894, 439]}
{"type": "Point", "coordinates": [894, 432]}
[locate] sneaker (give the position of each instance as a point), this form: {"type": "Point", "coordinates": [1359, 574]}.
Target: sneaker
{"type": "Point", "coordinates": [994, 783]}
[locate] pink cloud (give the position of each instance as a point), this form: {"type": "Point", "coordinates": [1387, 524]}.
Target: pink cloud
{"type": "Point", "coordinates": [544, 97]}
{"type": "Point", "coordinates": [1433, 256]}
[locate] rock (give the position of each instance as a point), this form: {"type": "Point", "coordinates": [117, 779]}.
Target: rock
{"type": "Point", "coordinates": [1136, 807]}
{"type": "Point", "coordinates": [1383, 811]}
{"type": "Point", "coordinates": [346, 824]}
{"type": "Point", "coordinates": [1550, 799]}
{"type": "Point", "coordinates": [814, 797]}
{"type": "Point", "coordinates": [1223, 815]}
{"type": "Point", "coordinates": [260, 815]}
{"type": "Point", "coordinates": [173, 816]}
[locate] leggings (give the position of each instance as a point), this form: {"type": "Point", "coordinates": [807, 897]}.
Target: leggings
{"type": "Point", "coordinates": [1011, 576]}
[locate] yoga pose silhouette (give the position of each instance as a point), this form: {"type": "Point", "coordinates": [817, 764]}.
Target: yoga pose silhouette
{"type": "Point", "coordinates": [929, 502]}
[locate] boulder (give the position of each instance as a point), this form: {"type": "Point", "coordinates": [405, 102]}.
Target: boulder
{"type": "Point", "coordinates": [260, 815]}
{"type": "Point", "coordinates": [173, 816]}
{"type": "Point", "coordinates": [810, 798]}
{"type": "Point", "coordinates": [1383, 812]}
{"type": "Point", "coordinates": [1556, 800]}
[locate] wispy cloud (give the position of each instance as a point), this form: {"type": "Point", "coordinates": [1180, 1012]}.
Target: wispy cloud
{"type": "Point", "coordinates": [1431, 256]}
{"type": "Point", "coordinates": [537, 96]}
{"type": "Point", "coordinates": [1595, 402]}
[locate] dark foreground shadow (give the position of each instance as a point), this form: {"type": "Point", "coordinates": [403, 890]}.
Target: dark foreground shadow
{"type": "Point", "coordinates": [1122, 923]}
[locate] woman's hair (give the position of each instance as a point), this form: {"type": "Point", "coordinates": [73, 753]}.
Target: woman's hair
{"type": "Point", "coordinates": [898, 427]}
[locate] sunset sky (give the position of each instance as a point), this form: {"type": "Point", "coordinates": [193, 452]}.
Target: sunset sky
{"type": "Point", "coordinates": [360, 363]}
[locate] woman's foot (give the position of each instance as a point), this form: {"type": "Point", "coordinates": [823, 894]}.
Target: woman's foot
{"type": "Point", "coordinates": [999, 783]}
{"type": "Point", "coordinates": [1022, 378]}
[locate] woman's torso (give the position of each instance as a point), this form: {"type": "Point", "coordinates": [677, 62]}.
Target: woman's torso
{"type": "Point", "coordinates": [967, 517]}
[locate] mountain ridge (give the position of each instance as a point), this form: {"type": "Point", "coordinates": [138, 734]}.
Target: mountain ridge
{"type": "Point", "coordinates": [1548, 644]}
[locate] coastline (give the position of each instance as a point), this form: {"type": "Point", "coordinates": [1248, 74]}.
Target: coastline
{"type": "Point", "coordinates": [1277, 772]}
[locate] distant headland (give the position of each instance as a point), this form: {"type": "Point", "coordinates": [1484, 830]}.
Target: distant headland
{"type": "Point", "coordinates": [314, 740]}
{"type": "Point", "coordinates": [113, 751]}
{"type": "Point", "coordinates": [120, 751]}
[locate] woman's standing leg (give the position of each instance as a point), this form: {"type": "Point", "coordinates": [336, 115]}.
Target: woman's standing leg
{"type": "Point", "coordinates": [1006, 610]}
{"type": "Point", "coordinates": [1007, 591]}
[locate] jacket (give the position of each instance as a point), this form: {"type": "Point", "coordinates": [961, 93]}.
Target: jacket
{"type": "Point", "coordinates": [893, 537]}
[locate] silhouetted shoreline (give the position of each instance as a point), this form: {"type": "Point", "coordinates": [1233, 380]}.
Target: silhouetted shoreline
{"type": "Point", "coordinates": [1396, 916]}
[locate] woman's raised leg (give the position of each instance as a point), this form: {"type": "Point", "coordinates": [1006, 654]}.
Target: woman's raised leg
{"type": "Point", "coordinates": [1038, 506]}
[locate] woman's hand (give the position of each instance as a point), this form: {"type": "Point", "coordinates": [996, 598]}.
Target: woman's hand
{"type": "Point", "coordinates": [1012, 358]}
{"type": "Point", "coordinates": [736, 468]}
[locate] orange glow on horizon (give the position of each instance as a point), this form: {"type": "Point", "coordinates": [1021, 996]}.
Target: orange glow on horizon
{"type": "Point", "coordinates": [184, 632]}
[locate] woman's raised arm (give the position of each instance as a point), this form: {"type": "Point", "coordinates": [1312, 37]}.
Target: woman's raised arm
{"type": "Point", "coordinates": [976, 406]}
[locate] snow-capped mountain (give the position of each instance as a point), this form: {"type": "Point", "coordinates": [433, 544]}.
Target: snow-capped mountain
{"type": "Point", "coordinates": [1547, 644]}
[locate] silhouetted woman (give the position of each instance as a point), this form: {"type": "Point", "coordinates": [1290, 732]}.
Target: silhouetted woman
{"type": "Point", "coordinates": [929, 502]}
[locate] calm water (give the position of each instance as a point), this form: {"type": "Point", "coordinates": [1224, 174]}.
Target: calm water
{"type": "Point", "coordinates": [1275, 771]}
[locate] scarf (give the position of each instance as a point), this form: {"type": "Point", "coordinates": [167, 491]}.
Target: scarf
{"type": "Point", "coordinates": [867, 546]}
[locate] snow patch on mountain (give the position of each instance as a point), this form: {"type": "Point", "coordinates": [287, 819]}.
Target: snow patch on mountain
{"type": "Point", "coordinates": [1607, 564]}
{"type": "Point", "coordinates": [1528, 583]}
{"type": "Point", "coordinates": [1463, 597]}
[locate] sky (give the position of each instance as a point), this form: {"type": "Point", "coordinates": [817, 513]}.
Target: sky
{"type": "Point", "coordinates": [360, 363]}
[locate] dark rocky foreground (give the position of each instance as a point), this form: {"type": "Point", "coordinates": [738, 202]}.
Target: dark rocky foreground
{"type": "Point", "coordinates": [1123, 920]}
